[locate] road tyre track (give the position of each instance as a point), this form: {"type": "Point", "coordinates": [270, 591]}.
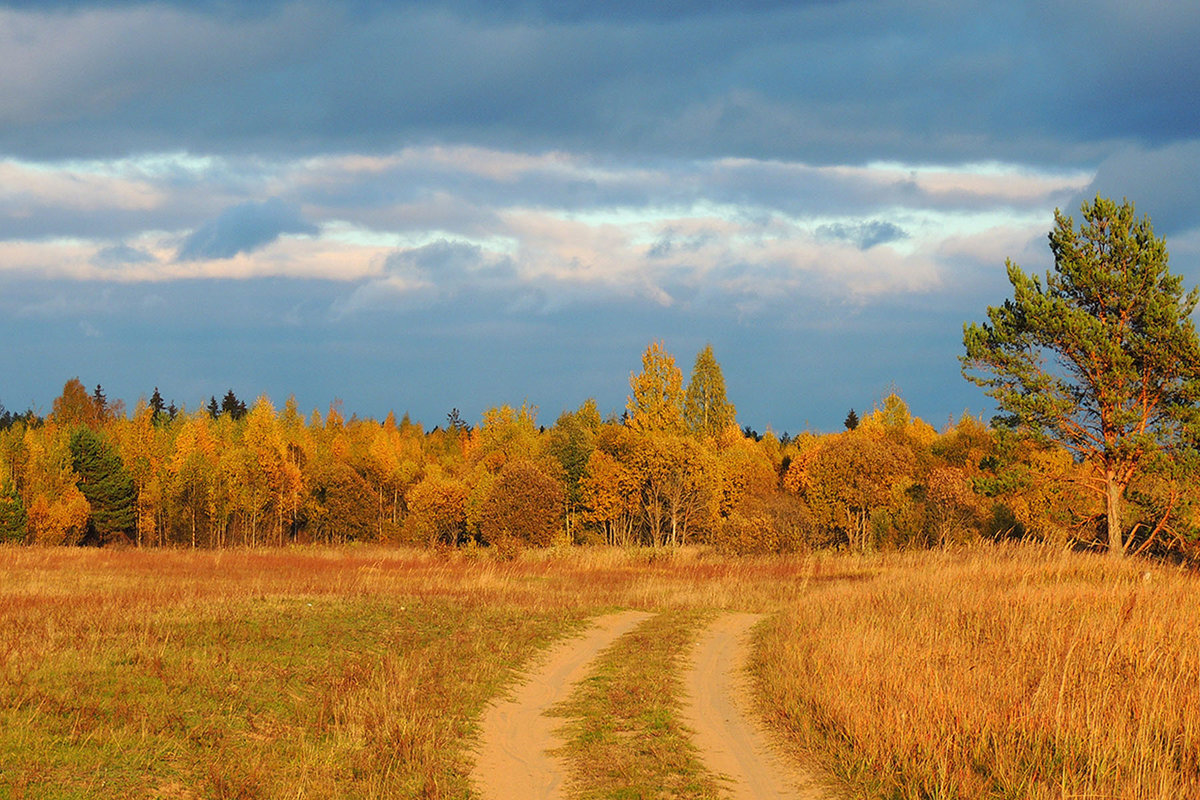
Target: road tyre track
{"type": "Point", "coordinates": [719, 711]}
{"type": "Point", "coordinates": [512, 760]}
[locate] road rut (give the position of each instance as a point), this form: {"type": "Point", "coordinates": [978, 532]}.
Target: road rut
{"type": "Point", "coordinates": [718, 710]}
{"type": "Point", "coordinates": [513, 762]}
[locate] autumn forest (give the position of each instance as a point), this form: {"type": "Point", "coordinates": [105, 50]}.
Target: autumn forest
{"type": "Point", "coordinates": [673, 469]}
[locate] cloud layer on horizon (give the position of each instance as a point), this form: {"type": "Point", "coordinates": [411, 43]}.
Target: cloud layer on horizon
{"type": "Point", "coordinates": [564, 225]}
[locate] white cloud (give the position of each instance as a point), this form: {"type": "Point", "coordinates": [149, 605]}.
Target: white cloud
{"type": "Point", "coordinates": [669, 231]}
{"type": "Point", "coordinates": [25, 187]}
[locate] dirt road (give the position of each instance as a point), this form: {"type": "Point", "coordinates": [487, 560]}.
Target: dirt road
{"type": "Point", "coordinates": [513, 763]}
{"type": "Point", "coordinates": [718, 709]}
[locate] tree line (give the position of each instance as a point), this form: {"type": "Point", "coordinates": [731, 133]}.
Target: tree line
{"type": "Point", "coordinates": [1096, 372]}
{"type": "Point", "coordinates": [673, 469]}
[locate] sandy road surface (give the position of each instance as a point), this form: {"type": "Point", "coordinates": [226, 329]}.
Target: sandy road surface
{"type": "Point", "coordinates": [718, 709]}
{"type": "Point", "coordinates": [512, 762]}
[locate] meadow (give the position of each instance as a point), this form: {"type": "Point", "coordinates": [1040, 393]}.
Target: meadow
{"type": "Point", "coordinates": [990, 672]}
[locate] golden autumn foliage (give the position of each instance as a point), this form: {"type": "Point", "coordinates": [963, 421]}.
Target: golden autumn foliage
{"type": "Point", "coordinates": [191, 474]}
{"type": "Point", "coordinates": [437, 510]}
{"type": "Point", "coordinates": [657, 398]}
{"type": "Point", "coordinates": [268, 477]}
{"type": "Point", "coordinates": [525, 506]}
{"type": "Point", "coordinates": [853, 476]}
{"type": "Point", "coordinates": [59, 521]}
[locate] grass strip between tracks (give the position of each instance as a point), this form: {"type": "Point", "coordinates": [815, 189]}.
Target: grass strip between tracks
{"type": "Point", "coordinates": [624, 735]}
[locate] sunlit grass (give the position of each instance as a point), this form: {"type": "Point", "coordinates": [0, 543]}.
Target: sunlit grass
{"type": "Point", "coordinates": [307, 673]}
{"type": "Point", "coordinates": [995, 673]}
{"type": "Point", "coordinates": [275, 691]}
{"type": "Point", "coordinates": [988, 673]}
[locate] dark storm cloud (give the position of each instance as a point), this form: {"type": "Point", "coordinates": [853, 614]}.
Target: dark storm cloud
{"type": "Point", "coordinates": [242, 229]}
{"type": "Point", "coordinates": [824, 81]}
{"type": "Point", "coordinates": [453, 263]}
{"type": "Point", "coordinates": [440, 274]}
{"type": "Point", "coordinates": [448, 266]}
{"type": "Point", "coordinates": [672, 243]}
{"type": "Point", "coordinates": [1162, 182]}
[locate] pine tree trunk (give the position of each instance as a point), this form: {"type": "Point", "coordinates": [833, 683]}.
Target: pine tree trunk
{"type": "Point", "coordinates": [1113, 492]}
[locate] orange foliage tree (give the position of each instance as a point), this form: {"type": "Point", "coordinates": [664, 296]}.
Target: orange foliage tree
{"type": "Point", "coordinates": [524, 506]}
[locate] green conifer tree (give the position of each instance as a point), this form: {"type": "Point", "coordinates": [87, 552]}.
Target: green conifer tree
{"type": "Point", "coordinates": [12, 514]}
{"type": "Point", "coordinates": [106, 484]}
{"type": "Point", "coordinates": [232, 406]}
{"type": "Point", "coordinates": [1101, 357]}
{"type": "Point", "coordinates": [158, 407]}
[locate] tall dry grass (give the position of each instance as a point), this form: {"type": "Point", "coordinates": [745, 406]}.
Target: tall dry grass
{"type": "Point", "coordinates": [1003, 672]}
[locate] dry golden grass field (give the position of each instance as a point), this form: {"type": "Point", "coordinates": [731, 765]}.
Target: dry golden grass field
{"type": "Point", "coordinates": [998, 672]}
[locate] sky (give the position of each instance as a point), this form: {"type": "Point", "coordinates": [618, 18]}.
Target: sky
{"type": "Point", "coordinates": [420, 206]}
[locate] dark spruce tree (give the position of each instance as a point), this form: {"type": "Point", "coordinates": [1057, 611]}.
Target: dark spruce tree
{"type": "Point", "coordinates": [107, 486]}
{"type": "Point", "coordinates": [214, 408]}
{"type": "Point", "coordinates": [157, 407]}
{"type": "Point", "coordinates": [101, 402]}
{"type": "Point", "coordinates": [232, 406]}
{"type": "Point", "coordinates": [851, 421]}
{"type": "Point", "coordinates": [12, 515]}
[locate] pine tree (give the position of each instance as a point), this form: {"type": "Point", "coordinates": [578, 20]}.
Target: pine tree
{"type": "Point", "coordinates": [851, 421]}
{"type": "Point", "coordinates": [705, 406]}
{"type": "Point", "coordinates": [214, 409]}
{"type": "Point", "coordinates": [105, 483]}
{"type": "Point", "coordinates": [1102, 357]}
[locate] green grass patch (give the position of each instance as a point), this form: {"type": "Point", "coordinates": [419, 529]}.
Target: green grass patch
{"type": "Point", "coordinates": [282, 696]}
